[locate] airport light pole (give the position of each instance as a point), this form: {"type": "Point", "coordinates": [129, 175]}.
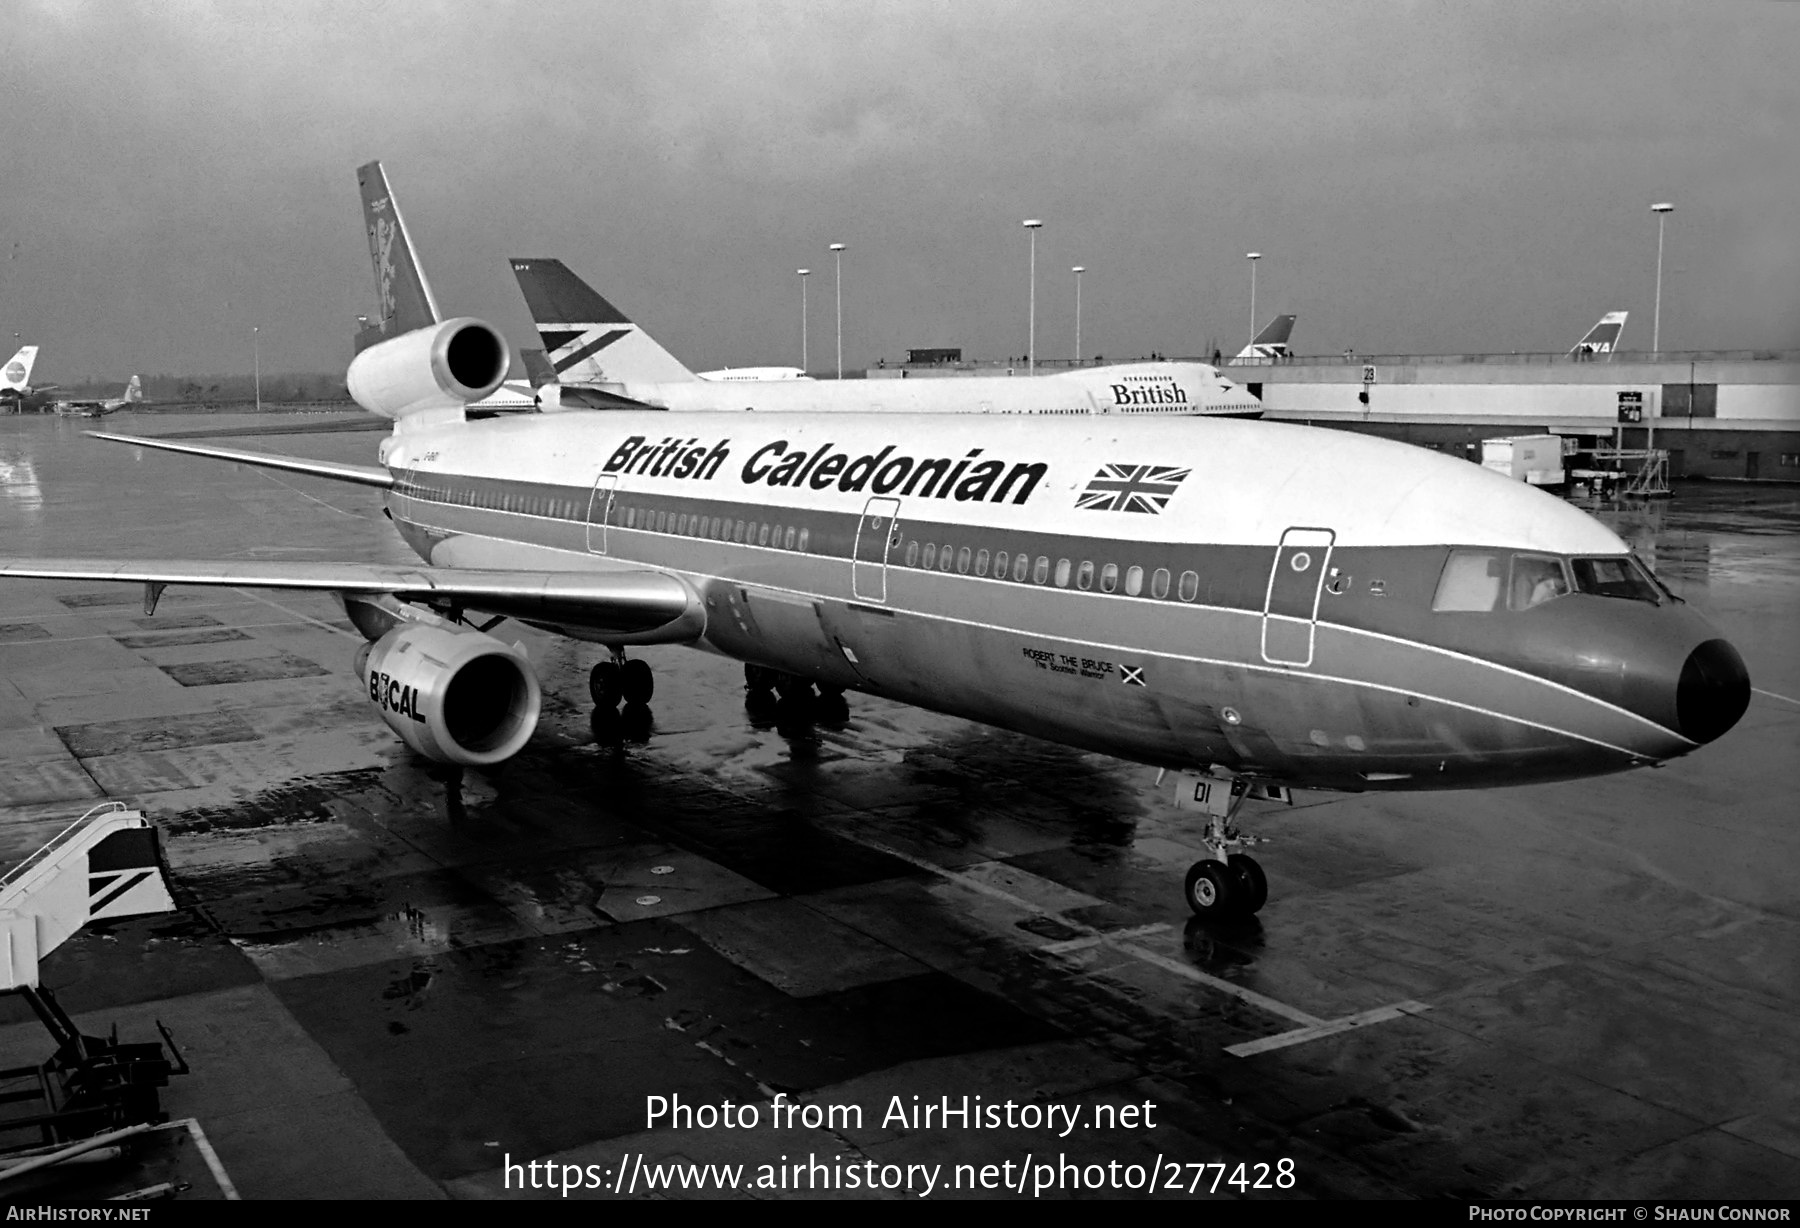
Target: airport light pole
{"type": "Point", "coordinates": [1253, 257]}
{"type": "Point", "coordinates": [1078, 270]}
{"type": "Point", "coordinates": [1032, 225]}
{"type": "Point", "coordinates": [256, 360]}
{"type": "Point", "coordinates": [837, 251]}
{"type": "Point", "coordinates": [804, 274]}
{"type": "Point", "coordinates": [1662, 209]}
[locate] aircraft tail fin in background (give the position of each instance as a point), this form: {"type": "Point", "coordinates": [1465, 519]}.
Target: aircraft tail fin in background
{"type": "Point", "coordinates": [1603, 338]}
{"type": "Point", "coordinates": [16, 375]}
{"type": "Point", "coordinates": [537, 367]}
{"type": "Point", "coordinates": [134, 392]}
{"type": "Point", "coordinates": [1271, 344]}
{"type": "Point", "coordinates": [405, 299]}
{"type": "Point", "coordinates": [588, 340]}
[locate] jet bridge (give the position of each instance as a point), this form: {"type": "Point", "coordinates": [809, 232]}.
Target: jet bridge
{"type": "Point", "coordinates": [106, 864]}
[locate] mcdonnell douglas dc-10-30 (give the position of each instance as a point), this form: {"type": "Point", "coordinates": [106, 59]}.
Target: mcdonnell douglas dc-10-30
{"type": "Point", "coordinates": [1253, 606]}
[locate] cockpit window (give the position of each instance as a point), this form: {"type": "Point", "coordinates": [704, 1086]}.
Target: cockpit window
{"type": "Point", "coordinates": [1536, 578]}
{"type": "Point", "coordinates": [1471, 581]}
{"type": "Point", "coordinates": [1614, 576]}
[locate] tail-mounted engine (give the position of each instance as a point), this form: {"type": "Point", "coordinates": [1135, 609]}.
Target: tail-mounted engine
{"type": "Point", "coordinates": [453, 695]}
{"type": "Point", "coordinates": [444, 366]}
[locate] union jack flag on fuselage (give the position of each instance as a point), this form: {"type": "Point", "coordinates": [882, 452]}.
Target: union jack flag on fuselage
{"type": "Point", "coordinates": [1132, 488]}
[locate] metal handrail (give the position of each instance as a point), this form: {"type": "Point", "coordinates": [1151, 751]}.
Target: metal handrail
{"type": "Point", "coordinates": [61, 838]}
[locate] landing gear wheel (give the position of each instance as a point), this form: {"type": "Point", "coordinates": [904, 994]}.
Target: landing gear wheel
{"type": "Point", "coordinates": [1252, 884]}
{"type": "Point", "coordinates": [794, 689]}
{"type": "Point", "coordinates": [758, 677]}
{"type": "Point", "coordinates": [605, 685]}
{"type": "Point", "coordinates": [636, 682]}
{"type": "Point", "coordinates": [832, 705]}
{"type": "Point", "coordinates": [1212, 890]}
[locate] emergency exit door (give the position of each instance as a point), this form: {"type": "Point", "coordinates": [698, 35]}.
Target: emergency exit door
{"type": "Point", "coordinates": [1291, 605]}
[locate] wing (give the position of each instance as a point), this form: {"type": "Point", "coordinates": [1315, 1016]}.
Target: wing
{"type": "Point", "coordinates": [620, 602]}
{"type": "Point", "coordinates": [361, 475]}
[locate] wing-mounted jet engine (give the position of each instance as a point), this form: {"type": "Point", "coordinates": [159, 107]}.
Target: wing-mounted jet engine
{"type": "Point", "coordinates": [452, 693]}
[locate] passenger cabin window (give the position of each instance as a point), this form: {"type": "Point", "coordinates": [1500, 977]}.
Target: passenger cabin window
{"type": "Point", "coordinates": [1159, 583]}
{"type": "Point", "coordinates": [962, 560]}
{"type": "Point", "coordinates": [981, 562]}
{"type": "Point", "coordinates": [912, 554]}
{"type": "Point", "coordinates": [1190, 585]}
{"type": "Point", "coordinates": [930, 555]}
{"type": "Point", "coordinates": [1021, 566]}
{"type": "Point", "coordinates": [1536, 578]}
{"type": "Point", "coordinates": [1616, 576]}
{"type": "Point", "coordinates": [805, 536]}
{"type": "Point", "coordinates": [1084, 578]}
{"type": "Point", "coordinates": [1134, 581]}
{"type": "Point", "coordinates": [1062, 573]}
{"type": "Point", "coordinates": [1002, 561]}
{"type": "Point", "coordinates": [1040, 572]}
{"type": "Point", "coordinates": [1109, 577]}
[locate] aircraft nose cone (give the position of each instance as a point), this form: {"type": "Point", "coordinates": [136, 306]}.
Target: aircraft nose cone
{"type": "Point", "coordinates": [1713, 691]}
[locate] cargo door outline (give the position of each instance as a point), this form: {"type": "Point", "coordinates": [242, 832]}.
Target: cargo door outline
{"type": "Point", "coordinates": [600, 507]}
{"type": "Point", "coordinates": [868, 556]}
{"type": "Point", "coordinates": [1291, 603]}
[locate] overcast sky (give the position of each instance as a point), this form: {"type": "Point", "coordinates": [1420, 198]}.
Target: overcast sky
{"type": "Point", "coordinates": [1420, 177]}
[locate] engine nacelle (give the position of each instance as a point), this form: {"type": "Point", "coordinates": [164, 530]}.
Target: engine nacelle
{"type": "Point", "coordinates": [454, 696]}
{"type": "Point", "coordinates": [444, 366]}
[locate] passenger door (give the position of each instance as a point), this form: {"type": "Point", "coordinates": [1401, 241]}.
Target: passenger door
{"type": "Point", "coordinates": [600, 507]}
{"type": "Point", "coordinates": [874, 535]}
{"type": "Point", "coordinates": [1292, 602]}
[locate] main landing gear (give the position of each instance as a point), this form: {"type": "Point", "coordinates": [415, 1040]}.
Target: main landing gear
{"type": "Point", "coordinates": [619, 679]}
{"type": "Point", "coordinates": [769, 692]}
{"type": "Point", "coordinates": [1227, 882]}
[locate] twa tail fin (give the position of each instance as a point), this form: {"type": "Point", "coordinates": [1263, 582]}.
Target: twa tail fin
{"type": "Point", "coordinates": [1271, 344]}
{"type": "Point", "coordinates": [590, 341]}
{"type": "Point", "coordinates": [406, 301]}
{"type": "Point", "coordinates": [1603, 338]}
{"type": "Point", "coordinates": [16, 375]}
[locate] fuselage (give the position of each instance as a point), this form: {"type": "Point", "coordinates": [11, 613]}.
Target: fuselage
{"type": "Point", "coordinates": [1306, 606]}
{"type": "Point", "coordinates": [1168, 388]}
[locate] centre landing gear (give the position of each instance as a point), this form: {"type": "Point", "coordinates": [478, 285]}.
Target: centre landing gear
{"type": "Point", "coordinates": [770, 692]}
{"type": "Point", "coordinates": [1227, 883]}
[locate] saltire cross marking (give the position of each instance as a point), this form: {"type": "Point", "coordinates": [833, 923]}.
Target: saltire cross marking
{"type": "Point", "coordinates": [1132, 675]}
{"type": "Point", "coordinates": [589, 350]}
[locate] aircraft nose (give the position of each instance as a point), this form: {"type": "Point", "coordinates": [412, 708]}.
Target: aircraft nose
{"type": "Point", "coordinates": [1713, 692]}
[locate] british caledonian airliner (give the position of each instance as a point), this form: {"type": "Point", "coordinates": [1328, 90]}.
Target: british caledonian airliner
{"type": "Point", "coordinates": [1254, 607]}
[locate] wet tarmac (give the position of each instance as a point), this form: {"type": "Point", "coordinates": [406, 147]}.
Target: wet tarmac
{"type": "Point", "coordinates": [392, 980]}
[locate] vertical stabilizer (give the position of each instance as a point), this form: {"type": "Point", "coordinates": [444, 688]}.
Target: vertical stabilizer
{"type": "Point", "coordinates": [1271, 344]}
{"type": "Point", "coordinates": [1603, 338]}
{"type": "Point", "coordinates": [134, 392]}
{"type": "Point", "coordinates": [405, 299]}
{"type": "Point", "coordinates": [590, 341]}
{"type": "Point", "coordinates": [15, 376]}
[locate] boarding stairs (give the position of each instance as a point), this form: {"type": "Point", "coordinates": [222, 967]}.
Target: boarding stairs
{"type": "Point", "coordinates": [106, 864]}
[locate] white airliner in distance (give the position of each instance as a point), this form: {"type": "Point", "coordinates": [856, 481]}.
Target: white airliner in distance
{"type": "Point", "coordinates": [133, 395]}
{"type": "Point", "coordinates": [15, 376]}
{"type": "Point", "coordinates": [593, 345]}
{"type": "Point", "coordinates": [1253, 606]}
{"type": "Point", "coordinates": [747, 375]}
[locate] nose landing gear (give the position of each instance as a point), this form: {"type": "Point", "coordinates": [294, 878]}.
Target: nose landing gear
{"type": "Point", "coordinates": [1227, 882]}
